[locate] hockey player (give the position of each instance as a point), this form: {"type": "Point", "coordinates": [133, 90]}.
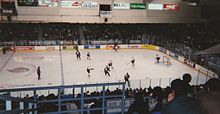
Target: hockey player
{"type": "Point", "coordinates": [88, 56]}
{"type": "Point", "coordinates": [115, 47]}
{"type": "Point", "coordinates": [78, 55]}
{"type": "Point", "coordinates": [107, 70]}
{"type": "Point", "coordinates": [88, 70]}
{"type": "Point", "coordinates": [126, 78]}
{"type": "Point", "coordinates": [4, 50]}
{"type": "Point", "coordinates": [110, 64]}
{"type": "Point", "coordinates": [133, 62]}
{"type": "Point", "coordinates": [38, 72]}
{"type": "Point", "coordinates": [157, 58]}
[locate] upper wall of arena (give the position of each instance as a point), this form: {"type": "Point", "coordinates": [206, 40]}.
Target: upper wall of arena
{"type": "Point", "coordinates": [185, 14]}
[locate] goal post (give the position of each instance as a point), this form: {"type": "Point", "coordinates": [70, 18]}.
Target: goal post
{"type": "Point", "coordinates": [166, 60]}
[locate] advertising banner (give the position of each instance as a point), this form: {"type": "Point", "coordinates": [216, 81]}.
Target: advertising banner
{"type": "Point", "coordinates": [121, 6]}
{"type": "Point", "coordinates": [39, 48]}
{"type": "Point", "coordinates": [109, 46]}
{"type": "Point", "coordinates": [155, 6]}
{"type": "Point", "coordinates": [78, 4]}
{"type": "Point", "coordinates": [81, 47]}
{"type": "Point", "coordinates": [86, 46]}
{"type": "Point", "coordinates": [51, 48]}
{"type": "Point", "coordinates": [69, 4]}
{"type": "Point", "coordinates": [24, 48]}
{"type": "Point", "coordinates": [171, 54]}
{"type": "Point", "coordinates": [176, 56]}
{"type": "Point", "coordinates": [87, 4]}
{"type": "Point", "coordinates": [137, 6]}
{"type": "Point", "coordinates": [91, 46]}
{"type": "Point", "coordinates": [170, 6]}
{"type": "Point", "coordinates": [48, 3]}
{"type": "Point", "coordinates": [150, 47]}
{"type": "Point", "coordinates": [68, 47]}
{"type": "Point", "coordinates": [97, 46]}
{"type": "Point", "coordinates": [133, 46]}
{"type": "Point", "coordinates": [163, 50]}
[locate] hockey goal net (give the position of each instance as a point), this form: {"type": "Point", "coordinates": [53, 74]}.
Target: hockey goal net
{"type": "Point", "coordinates": [166, 60]}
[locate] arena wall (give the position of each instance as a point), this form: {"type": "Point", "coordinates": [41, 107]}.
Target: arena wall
{"type": "Point", "coordinates": [184, 14]}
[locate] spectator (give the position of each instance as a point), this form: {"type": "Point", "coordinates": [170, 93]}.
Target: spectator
{"type": "Point", "coordinates": [139, 106]}
{"type": "Point", "coordinates": [97, 104]}
{"type": "Point", "coordinates": [158, 97]}
{"type": "Point", "coordinates": [179, 102]}
{"type": "Point", "coordinates": [187, 79]}
{"type": "Point", "coordinates": [210, 100]}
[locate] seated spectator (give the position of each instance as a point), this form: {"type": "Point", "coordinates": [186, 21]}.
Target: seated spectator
{"type": "Point", "coordinates": [97, 104]}
{"type": "Point", "coordinates": [179, 102]}
{"type": "Point", "coordinates": [158, 96]}
{"type": "Point", "coordinates": [187, 79]}
{"type": "Point", "coordinates": [210, 100]}
{"type": "Point", "coordinates": [139, 106]}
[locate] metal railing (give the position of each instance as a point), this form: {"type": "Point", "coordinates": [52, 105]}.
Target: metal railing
{"type": "Point", "coordinates": [197, 79]}
{"type": "Point", "coordinates": [60, 99]}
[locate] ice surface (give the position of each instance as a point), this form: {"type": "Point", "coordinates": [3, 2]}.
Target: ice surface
{"type": "Point", "coordinates": [145, 72]}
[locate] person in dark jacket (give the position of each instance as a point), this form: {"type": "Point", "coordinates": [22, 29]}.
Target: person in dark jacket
{"type": "Point", "coordinates": [179, 102]}
{"type": "Point", "coordinates": [139, 105]}
{"type": "Point", "coordinates": [187, 79]}
{"type": "Point", "coordinates": [209, 100]}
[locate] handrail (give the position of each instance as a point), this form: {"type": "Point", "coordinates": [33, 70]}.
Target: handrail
{"type": "Point", "coordinates": [59, 100]}
{"type": "Point", "coordinates": [17, 111]}
{"type": "Point", "coordinates": [62, 86]}
{"type": "Point", "coordinates": [6, 97]}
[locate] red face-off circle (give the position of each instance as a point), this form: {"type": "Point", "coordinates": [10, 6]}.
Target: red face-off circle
{"type": "Point", "coordinates": [18, 70]}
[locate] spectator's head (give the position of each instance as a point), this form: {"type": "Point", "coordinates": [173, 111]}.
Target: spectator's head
{"type": "Point", "coordinates": [179, 87]}
{"type": "Point", "coordinates": [157, 92]}
{"type": "Point", "coordinates": [213, 84]}
{"type": "Point", "coordinates": [187, 78]}
{"type": "Point", "coordinates": [138, 97]}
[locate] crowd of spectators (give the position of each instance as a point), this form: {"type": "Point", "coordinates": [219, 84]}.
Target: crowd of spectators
{"type": "Point", "coordinates": [38, 34]}
{"type": "Point", "coordinates": [182, 98]}
{"type": "Point", "coordinates": [175, 37]}
{"type": "Point", "coordinates": [60, 32]}
{"type": "Point", "coordinates": [14, 32]}
{"type": "Point", "coordinates": [179, 98]}
{"type": "Point", "coordinates": [101, 32]}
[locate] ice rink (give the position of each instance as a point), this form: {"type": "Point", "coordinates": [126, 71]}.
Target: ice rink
{"type": "Point", "coordinates": [61, 67]}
